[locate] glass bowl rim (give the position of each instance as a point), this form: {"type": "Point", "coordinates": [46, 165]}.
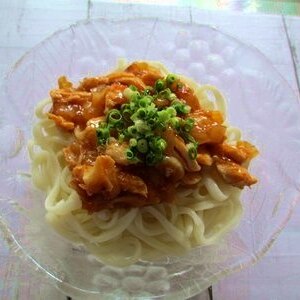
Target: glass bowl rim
{"type": "Point", "coordinates": [14, 245]}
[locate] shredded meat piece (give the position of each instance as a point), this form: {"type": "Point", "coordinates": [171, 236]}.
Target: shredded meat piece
{"type": "Point", "coordinates": [234, 174]}
{"type": "Point", "coordinates": [145, 72]}
{"type": "Point", "coordinates": [114, 96]}
{"type": "Point", "coordinates": [87, 136]}
{"type": "Point", "coordinates": [126, 78]}
{"type": "Point", "coordinates": [87, 84]}
{"type": "Point", "coordinates": [98, 100]}
{"type": "Point", "coordinates": [84, 150]}
{"type": "Point", "coordinates": [239, 153]}
{"type": "Point", "coordinates": [61, 122]}
{"type": "Point", "coordinates": [106, 179]}
{"type": "Point", "coordinates": [78, 154]}
{"type": "Point", "coordinates": [204, 157]}
{"type": "Point", "coordinates": [117, 152]}
{"type": "Point", "coordinates": [177, 148]}
{"type": "Point", "coordinates": [133, 184]}
{"type": "Point", "coordinates": [185, 93]}
{"type": "Point", "coordinates": [232, 152]}
{"type": "Point", "coordinates": [73, 155]}
{"type": "Point", "coordinates": [64, 83]}
{"type": "Point", "coordinates": [69, 96]}
{"type": "Point", "coordinates": [71, 107]}
{"type": "Point", "coordinates": [102, 177]}
{"type": "Point", "coordinates": [208, 127]}
{"type": "Point", "coordinates": [191, 178]}
{"type": "Point", "coordinates": [250, 150]}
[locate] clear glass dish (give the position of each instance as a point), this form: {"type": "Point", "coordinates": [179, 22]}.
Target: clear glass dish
{"type": "Point", "coordinates": [260, 102]}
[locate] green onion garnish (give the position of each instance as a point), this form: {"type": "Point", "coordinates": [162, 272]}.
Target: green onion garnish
{"type": "Point", "coordinates": [189, 124]}
{"type": "Point", "coordinates": [159, 85]}
{"type": "Point", "coordinates": [165, 94]}
{"type": "Point", "coordinates": [180, 107]}
{"type": "Point", "coordinates": [129, 154]}
{"type": "Point", "coordinates": [132, 142]}
{"type": "Point", "coordinates": [132, 130]}
{"type": "Point", "coordinates": [142, 145]}
{"type": "Point", "coordinates": [170, 79]}
{"type": "Point", "coordinates": [102, 135]}
{"type": "Point", "coordinates": [151, 159]}
{"type": "Point", "coordinates": [133, 88]}
{"type": "Point", "coordinates": [192, 150]}
{"type": "Point", "coordinates": [114, 116]}
{"type": "Point", "coordinates": [140, 123]}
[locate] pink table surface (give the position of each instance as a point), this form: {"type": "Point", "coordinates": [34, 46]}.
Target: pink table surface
{"type": "Point", "coordinates": [25, 23]}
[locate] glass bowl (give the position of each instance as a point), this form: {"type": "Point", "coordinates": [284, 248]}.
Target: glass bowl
{"type": "Point", "coordinates": [260, 102]}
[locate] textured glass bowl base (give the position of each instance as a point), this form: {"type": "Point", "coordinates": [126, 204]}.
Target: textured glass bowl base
{"type": "Point", "coordinates": [260, 102]}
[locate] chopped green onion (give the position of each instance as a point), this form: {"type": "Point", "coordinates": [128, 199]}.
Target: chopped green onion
{"type": "Point", "coordinates": [102, 124]}
{"type": "Point", "coordinates": [132, 105]}
{"type": "Point", "coordinates": [150, 159]}
{"type": "Point", "coordinates": [102, 135]}
{"type": "Point", "coordinates": [165, 94]}
{"type": "Point", "coordinates": [161, 144]}
{"type": "Point", "coordinates": [132, 130]}
{"type": "Point", "coordinates": [152, 122]}
{"type": "Point", "coordinates": [125, 106]}
{"type": "Point", "coordinates": [147, 91]}
{"type": "Point", "coordinates": [130, 94]}
{"type": "Point", "coordinates": [129, 154]}
{"type": "Point", "coordinates": [151, 109]}
{"type": "Point", "coordinates": [179, 85]}
{"type": "Point", "coordinates": [145, 101]}
{"type": "Point", "coordinates": [172, 111]}
{"type": "Point", "coordinates": [119, 126]}
{"type": "Point", "coordinates": [180, 107]}
{"type": "Point", "coordinates": [142, 126]}
{"type": "Point", "coordinates": [189, 124]}
{"type": "Point", "coordinates": [132, 142]}
{"type": "Point", "coordinates": [127, 93]}
{"type": "Point", "coordinates": [172, 97]}
{"type": "Point", "coordinates": [121, 138]}
{"type": "Point", "coordinates": [177, 105]}
{"type": "Point", "coordinates": [133, 88]}
{"type": "Point", "coordinates": [114, 116]}
{"type": "Point", "coordinates": [170, 79]}
{"type": "Point", "coordinates": [140, 123]}
{"type": "Point", "coordinates": [141, 113]}
{"type": "Point", "coordinates": [192, 150]}
{"type": "Point", "coordinates": [126, 114]}
{"type": "Point", "coordinates": [175, 123]}
{"type": "Point", "coordinates": [159, 85]}
{"type": "Point", "coordinates": [187, 137]}
{"type": "Point", "coordinates": [163, 116]}
{"type": "Point", "coordinates": [157, 144]}
{"type": "Point", "coordinates": [186, 109]}
{"type": "Point", "coordinates": [142, 146]}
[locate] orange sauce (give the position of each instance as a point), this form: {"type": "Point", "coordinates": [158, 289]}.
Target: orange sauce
{"type": "Point", "coordinates": [102, 175]}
